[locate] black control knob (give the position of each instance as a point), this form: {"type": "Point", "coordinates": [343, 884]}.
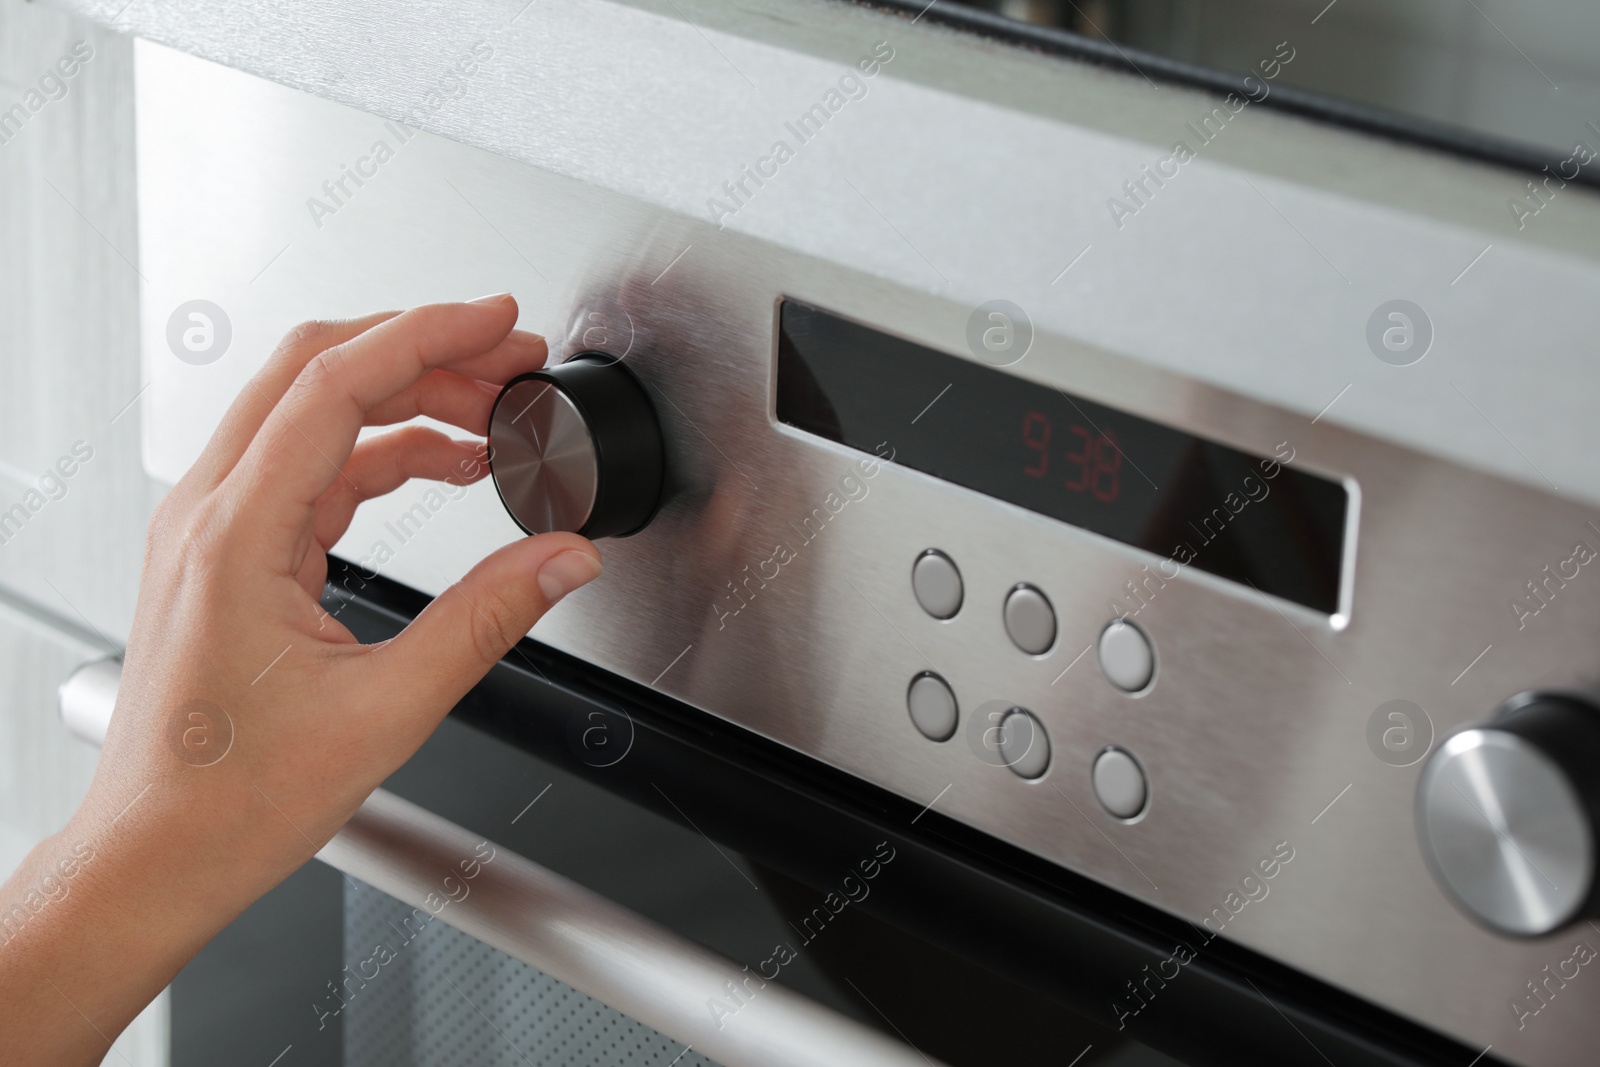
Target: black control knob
{"type": "Point", "coordinates": [1508, 813]}
{"type": "Point", "coordinates": [578, 447]}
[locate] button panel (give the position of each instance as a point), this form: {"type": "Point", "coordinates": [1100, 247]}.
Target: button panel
{"type": "Point", "coordinates": [1019, 739]}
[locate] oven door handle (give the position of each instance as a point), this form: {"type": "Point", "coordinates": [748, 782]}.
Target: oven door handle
{"type": "Point", "coordinates": [579, 937]}
{"type": "Point", "coordinates": [620, 958]}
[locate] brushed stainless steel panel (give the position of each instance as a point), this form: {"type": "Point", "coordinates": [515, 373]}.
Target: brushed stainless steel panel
{"type": "Point", "coordinates": [973, 170]}
{"type": "Point", "coordinates": [1254, 735]}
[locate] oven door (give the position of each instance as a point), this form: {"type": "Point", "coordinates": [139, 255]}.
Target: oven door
{"type": "Point", "coordinates": [576, 870]}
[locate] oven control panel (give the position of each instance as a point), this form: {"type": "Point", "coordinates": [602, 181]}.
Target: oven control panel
{"type": "Point", "coordinates": [1506, 811]}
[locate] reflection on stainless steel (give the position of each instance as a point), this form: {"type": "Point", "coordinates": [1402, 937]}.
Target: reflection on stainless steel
{"type": "Point", "coordinates": [87, 698]}
{"type": "Point", "coordinates": [1461, 70]}
{"type": "Point", "coordinates": [543, 458]}
{"type": "Point", "coordinates": [635, 966]}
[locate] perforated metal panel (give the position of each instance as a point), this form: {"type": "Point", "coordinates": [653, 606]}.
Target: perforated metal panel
{"type": "Point", "coordinates": [440, 998]}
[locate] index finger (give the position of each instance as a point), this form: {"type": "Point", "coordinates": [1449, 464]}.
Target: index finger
{"type": "Point", "coordinates": [303, 445]}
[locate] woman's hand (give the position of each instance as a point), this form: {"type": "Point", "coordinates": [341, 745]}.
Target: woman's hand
{"type": "Point", "coordinates": [250, 724]}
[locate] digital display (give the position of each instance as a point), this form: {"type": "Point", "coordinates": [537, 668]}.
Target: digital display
{"type": "Point", "coordinates": [1252, 519]}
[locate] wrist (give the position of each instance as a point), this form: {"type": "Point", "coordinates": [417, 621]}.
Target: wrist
{"type": "Point", "coordinates": [179, 856]}
{"type": "Point", "coordinates": [71, 919]}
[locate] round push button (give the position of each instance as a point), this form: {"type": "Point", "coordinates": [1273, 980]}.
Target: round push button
{"type": "Point", "coordinates": [1126, 658]}
{"type": "Point", "coordinates": [932, 705]}
{"type": "Point", "coordinates": [937, 584]}
{"type": "Point", "coordinates": [1119, 783]}
{"type": "Point", "coordinates": [1023, 744]}
{"type": "Point", "coordinates": [1030, 620]}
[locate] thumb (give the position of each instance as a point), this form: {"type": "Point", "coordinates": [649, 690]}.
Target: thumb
{"type": "Point", "coordinates": [450, 646]}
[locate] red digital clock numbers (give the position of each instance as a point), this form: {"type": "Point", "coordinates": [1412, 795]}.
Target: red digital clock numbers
{"type": "Point", "coordinates": [1093, 463]}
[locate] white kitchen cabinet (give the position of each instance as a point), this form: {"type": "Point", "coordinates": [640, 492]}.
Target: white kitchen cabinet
{"type": "Point", "coordinates": [74, 498]}
{"type": "Point", "coordinates": [69, 420]}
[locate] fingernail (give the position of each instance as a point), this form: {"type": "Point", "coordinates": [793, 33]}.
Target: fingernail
{"type": "Point", "coordinates": [563, 573]}
{"type": "Point", "coordinates": [492, 298]}
{"type": "Point", "coordinates": [525, 337]}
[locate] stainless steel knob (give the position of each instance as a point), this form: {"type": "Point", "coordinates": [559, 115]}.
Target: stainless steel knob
{"type": "Point", "coordinates": [1507, 814]}
{"type": "Point", "coordinates": [578, 447]}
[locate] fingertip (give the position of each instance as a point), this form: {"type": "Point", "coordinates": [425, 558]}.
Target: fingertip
{"type": "Point", "coordinates": [447, 648]}
{"type": "Point", "coordinates": [498, 308]}
{"type": "Point", "coordinates": [529, 349]}
{"type": "Point", "coordinates": [546, 545]}
{"type": "Point", "coordinates": [565, 572]}
{"type": "Point", "coordinates": [536, 549]}
{"type": "Point", "coordinates": [502, 309]}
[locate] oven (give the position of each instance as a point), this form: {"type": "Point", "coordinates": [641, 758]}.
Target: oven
{"type": "Point", "coordinates": [1103, 603]}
